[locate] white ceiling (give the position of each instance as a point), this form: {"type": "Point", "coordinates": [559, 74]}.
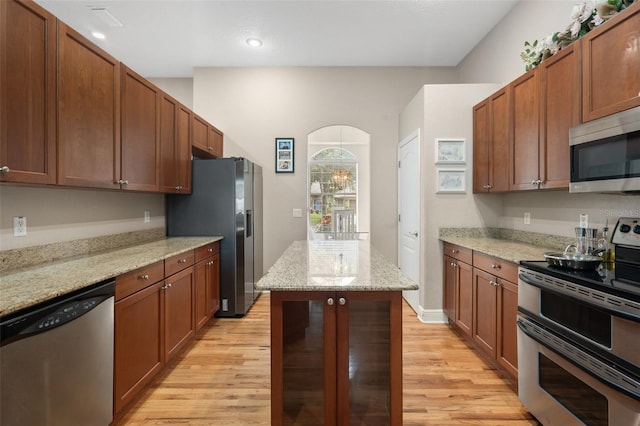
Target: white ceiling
{"type": "Point", "coordinates": [168, 38]}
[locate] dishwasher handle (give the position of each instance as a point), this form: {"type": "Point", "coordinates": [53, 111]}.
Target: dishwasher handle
{"type": "Point", "coordinates": [54, 313]}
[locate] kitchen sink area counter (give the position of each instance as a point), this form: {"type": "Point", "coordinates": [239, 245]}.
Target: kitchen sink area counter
{"type": "Point", "coordinates": [506, 244]}
{"type": "Point", "coordinates": [24, 287]}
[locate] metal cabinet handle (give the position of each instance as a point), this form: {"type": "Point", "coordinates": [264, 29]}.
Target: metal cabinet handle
{"type": "Point", "coordinates": [493, 283]}
{"type": "Point", "coordinates": [454, 251]}
{"type": "Point", "coordinates": [5, 169]}
{"type": "Point", "coordinates": [169, 285]}
{"type": "Point", "coordinates": [182, 261]}
{"type": "Point", "coordinates": [496, 266]}
{"type": "Point", "coordinates": [330, 301]}
{"type": "Point", "coordinates": [122, 182]}
{"type": "Point", "coordinates": [342, 301]}
{"type": "Point", "coordinates": [144, 277]}
{"type": "Point", "coordinates": [210, 250]}
{"type": "Point", "coordinates": [166, 287]}
{"type": "Point", "coordinates": [177, 188]}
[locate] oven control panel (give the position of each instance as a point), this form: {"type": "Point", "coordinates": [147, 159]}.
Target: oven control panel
{"type": "Point", "coordinates": [627, 232]}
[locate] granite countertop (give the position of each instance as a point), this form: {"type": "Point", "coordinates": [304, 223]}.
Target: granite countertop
{"type": "Point", "coordinates": [29, 286]}
{"type": "Point", "coordinates": [509, 245]}
{"type": "Point", "coordinates": [331, 265]}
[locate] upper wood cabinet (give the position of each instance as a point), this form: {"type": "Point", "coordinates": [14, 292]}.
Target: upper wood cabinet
{"type": "Point", "coordinates": [28, 51]}
{"type": "Point", "coordinates": [88, 113]}
{"type": "Point", "coordinates": [611, 65]}
{"type": "Point", "coordinates": [560, 109]}
{"type": "Point", "coordinates": [491, 143]}
{"type": "Point", "coordinates": [207, 140]}
{"type": "Point", "coordinates": [175, 146]}
{"type": "Point", "coordinates": [140, 143]}
{"type": "Point", "coordinates": [524, 154]}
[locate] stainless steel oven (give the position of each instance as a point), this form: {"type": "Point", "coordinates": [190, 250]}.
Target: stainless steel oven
{"type": "Point", "coordinates": [579, 339]}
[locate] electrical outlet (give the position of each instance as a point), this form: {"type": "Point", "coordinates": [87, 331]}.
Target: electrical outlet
{"type": "Point", "coordinates": [297, 212]}
{"type": "Point", "coordinates": [147, 216]}
{"type": "Point", "coordinates": [527, 218]}
{"type": "Point", "coordinates": [19, 226]}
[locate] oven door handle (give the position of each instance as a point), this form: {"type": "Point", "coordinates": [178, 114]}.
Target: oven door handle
{"type": "Point", "coordinates": [528, 280]}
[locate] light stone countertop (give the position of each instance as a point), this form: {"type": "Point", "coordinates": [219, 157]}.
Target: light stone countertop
{"type": "Point", "coordinates": [334, 265]}
{"type": "Point", "coordinates": [509, 250]}
{"type": "Point", "coordinates": [29, 286]}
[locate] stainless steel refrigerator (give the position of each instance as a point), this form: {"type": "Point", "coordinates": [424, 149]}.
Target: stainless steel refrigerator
{"type": "Point", "coordinates": [226, 200]}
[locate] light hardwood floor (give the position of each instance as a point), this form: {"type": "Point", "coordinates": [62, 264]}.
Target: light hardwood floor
{"type": "Point", "coordinates": [223, 379]}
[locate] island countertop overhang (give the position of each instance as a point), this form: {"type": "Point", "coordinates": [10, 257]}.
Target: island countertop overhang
{"type": "Point", "coordinates": [334, 265]}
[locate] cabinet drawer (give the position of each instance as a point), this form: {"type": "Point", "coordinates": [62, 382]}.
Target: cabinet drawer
{"type": "Point", "coordinates": [131, 282]}
{"type": "Point", "coordinates": [178, 262]}
{"type": "Point", "coordinates": [210, 249]}
{"type": "Point", "coordinates": [462, 254]}
{"type": "Point", "coordinates": [498, 267]}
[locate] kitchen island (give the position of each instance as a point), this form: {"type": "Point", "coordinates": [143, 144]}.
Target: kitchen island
{"type": "Point", "coordinates": [336, 334]}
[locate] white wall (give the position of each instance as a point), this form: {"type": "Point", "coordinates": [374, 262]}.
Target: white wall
{"type": "Point", "coordinates": [252, 106]}
{"type": "Point", "coordinates": [445, 111]}
{"type": "Point", "coordinates": [497, 59]}
{"type": "Point", "coordinates": [63, 214]}
{"type": "Point", "coordinates": [179, 88]}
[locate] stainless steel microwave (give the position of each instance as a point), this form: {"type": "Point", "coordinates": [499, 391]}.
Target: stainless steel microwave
{"type": "Point", "coordinates": [605, 154]}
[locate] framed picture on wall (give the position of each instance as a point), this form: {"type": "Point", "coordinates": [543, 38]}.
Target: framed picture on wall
{"type": "Point", "coordinates": [451, 181]}
{"type": "Point", "coordinates": [450, 151]}
{"type": "Point", "coordinates": [284, 155]}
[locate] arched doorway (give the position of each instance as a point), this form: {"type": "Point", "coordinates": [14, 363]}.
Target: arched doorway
{"type": "Point", "coordinates": [338, 183]}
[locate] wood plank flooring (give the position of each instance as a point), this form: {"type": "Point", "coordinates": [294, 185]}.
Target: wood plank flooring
{"type": "Point", "coordinates": [224, 379]}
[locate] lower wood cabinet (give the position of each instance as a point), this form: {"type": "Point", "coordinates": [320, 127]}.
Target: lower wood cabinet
{"type": "Point", "coordinates": [155, 316]}
{"type": "Point", "coordinates": [336, 358]}
{"type": "Point", "coordinates": [179, 324]}
{"type": "Point", "coordinates": [481, 301]}
{"type": "Point", "coordinates": [207, 283]}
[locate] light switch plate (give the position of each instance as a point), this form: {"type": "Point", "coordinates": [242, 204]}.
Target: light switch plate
{"type": "Point", "coordinates": [297, 212]}
{"type": "Point", "coordinates": [527, 218]}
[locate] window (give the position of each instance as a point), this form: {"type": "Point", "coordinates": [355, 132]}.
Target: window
{"type": "Point", "coordinates": [338, 183]}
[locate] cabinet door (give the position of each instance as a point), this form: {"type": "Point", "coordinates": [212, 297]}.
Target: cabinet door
{"type": "Point", "coordinates": [369, 352]}
{"type": "Point", "coordinates": [481, 142]}
{"type": "Point", "coordinates": [560, 109]}
{"type": "Point", "coordinates": [449, 281]}
{"type": "Point", "coordinates": [611, 64]}
{"type": "Point", "coordinates": [88, 113]}
{"type": "Point", "coordinates": [27, 93]}
{"type": "Point", "coordinates": [507, 346]}
{"type": "Point", "coordinates": [169, 144]}
{"type": "Point", "coordinates": [200, 133]}
{"type": "Point", "coordinates": [484, 312]}
{"type": "Point", "coordinates": [213, 285]}
{"type": "Point", "coordinates": [200, 284]}
{"type": "Point", "coordinates": [179, 312]}
{"type": "Point", "coordinates": [140, 149]}
{"type": "Point", "coordinates": [215, 142]}
{"type": "Point", "coordinates": [464, 297]}
{"type": "Point", "coordinates": [500, 141]}
{"type": "Point", "coordinates": [525, 130]}
{"type": "Point", "coordinates": [138, 353]}
{"type": "Point", "coordinates": [184, 149]}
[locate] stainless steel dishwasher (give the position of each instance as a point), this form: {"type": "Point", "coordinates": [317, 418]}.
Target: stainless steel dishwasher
{"type": "Point", "coordinates": [57, 361]}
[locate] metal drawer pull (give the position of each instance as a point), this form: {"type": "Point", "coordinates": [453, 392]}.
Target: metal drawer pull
{"type": "Point", "coordinates": [182, 261]}
{"type": "Point", "coordinates": [342, 301]}
{"type": "Point", "coordinates": [144, 277]}
{"type": "Point", "coordinates": [210, 250]}
{"type": "Point", "coordinates": [496, 266]}
{"type": "Point", "coordinates": [5, 169]}
{"type": "Point", "coordinates": [330, 301]}
{"type": "Point", "coordinates": [454, 251]}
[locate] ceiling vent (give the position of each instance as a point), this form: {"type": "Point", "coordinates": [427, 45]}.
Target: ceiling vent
{"type": "Point", "coordinates": [106, 16]}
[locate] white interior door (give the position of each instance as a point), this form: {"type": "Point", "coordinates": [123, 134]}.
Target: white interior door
{"type": "Point", "coordinates": [409, 213]}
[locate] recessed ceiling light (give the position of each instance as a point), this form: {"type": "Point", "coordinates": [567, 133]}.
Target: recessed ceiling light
{"type": "Point", "coordinates": [98, 35]}
{"type": "Point", "coordinates": [254, 42]}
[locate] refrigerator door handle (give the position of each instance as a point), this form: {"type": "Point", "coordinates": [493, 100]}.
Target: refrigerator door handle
{"type": "Point", "coordinates": [249, 223]}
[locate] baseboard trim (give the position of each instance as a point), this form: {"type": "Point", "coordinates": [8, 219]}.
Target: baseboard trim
{"type": "Point", "coordinates": [432, 316]}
